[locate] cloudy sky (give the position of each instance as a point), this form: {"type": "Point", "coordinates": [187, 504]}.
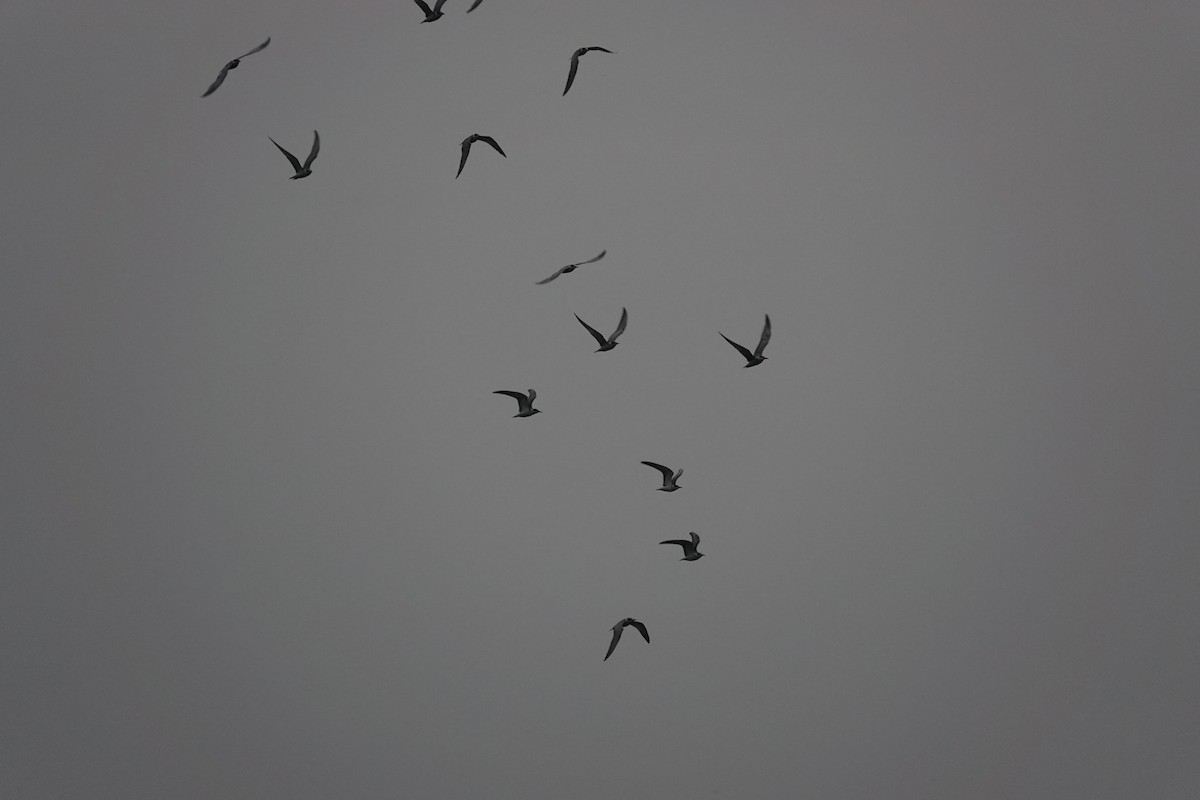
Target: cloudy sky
{"type": "Point", "coordinates": [267, 533]}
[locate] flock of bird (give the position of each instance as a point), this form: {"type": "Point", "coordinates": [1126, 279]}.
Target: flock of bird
{"type": "Point", "coordinates": [670, 477]}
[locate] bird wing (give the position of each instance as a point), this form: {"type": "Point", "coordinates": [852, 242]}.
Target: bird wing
{"type": "Point", "coordinates": [220, 79]}
{"type": "Point", "coordinates": [642, 628]}
{"type": "Point", "coordinates": [255, 50]}
{"type": "Point", "coordinates": [438, 6]}
{"type": "Point", "coordinates": [552, 277]}
{"type": "Point", "coordinates": [616, 638]}
{"type": "Point", "coordinates": [312, 154]}
{"type": "Point", "coordinates": [424, 7]}
{"type": "Point", "coordinates": [591, 260]}
{"type": "Point", "coordinates": [695, 539]}
{"type": "Point", "coordinates": [766, 336]}
{"type": "Point", "coordinates": [571, 74]}
{"type": "Point", "coordinates": [474, 6]}
{"type": "Point", "coordinates": [620, 325]}
{"type": "Point", "coordinates": [466, 148]}
{"type": "Point", "coordinates": [684, 543]}
{"type": "Point", "coordinates": [597, 335]}
{"type": "Point", "coordinates": [492, 142]}
{"type": "Point", "coordinates": [666, 471]}
{"type": "Point", "coordinates": [532, 396]}
{"type": "Point", "coordinates": [746, 353]}
{"type": "Point", "coordinates": [602, 49]}
{"type": "Point", "coordinates": [521, 399]}
{"type": "Point", "coordinates": [290, 157]}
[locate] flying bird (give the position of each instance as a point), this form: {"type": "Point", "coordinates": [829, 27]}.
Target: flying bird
{"type": "Point", "coordinates": [611, 341]}
{"type": "Point", "coordinates": [620, 626]}
{"type": "Point", "coordinates": [669, 478]}
{"type": "Point", "coordinates": [301, 171]}
{"type": "Point", "coordinates": [474, 6]}
{"type": "Point", "coordinates": [575, 64]}
{"type": "Point", "coordinates": [690, 553]}
{"type": "Point", "coordinates": [524, 402]}
{"type": "Point", "coordinates": [755, 358]}
{"type": "Point", "coordinates": [466, 148]}
{"type": "Point", "coordinates": [571, 268]}
{"type": "Point", "coordinates": [233, 65]}
{"type": "Point", "coordinates": [435, 13]}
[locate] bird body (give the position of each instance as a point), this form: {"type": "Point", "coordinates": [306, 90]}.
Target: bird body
{"type": "Point", "coordinates": [571, 268]}
{"type": "Point", "coordinates": [620, 626]}
{"type": "Point", "coordinates": [690, 553]}
{"type": "Point", "coordinates": [611, 341]}
{"type": "Point", "coordinates": [524, 402]}
{"type": "Point", "coordinates": [669, 478]}
{"type": "Point", "coordinates": [302, 170]}
{"type": "Point", "coordinates": [432, 14]}
{"type": "Point", "coordinates": [757, 357]}
{"type": "Point", "coordinates": [575, 64]}
{"type": "Point", "coordinates": [466, 148]}
{"type": "Point", "coordinates": [232, 65]}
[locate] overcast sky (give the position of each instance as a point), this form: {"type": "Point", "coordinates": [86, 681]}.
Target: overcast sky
{"type": "Point", "coordinates": [268, 534]}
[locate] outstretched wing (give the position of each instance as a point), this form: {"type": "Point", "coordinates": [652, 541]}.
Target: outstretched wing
{"type": "Point", "coordinates": [312, 154]}
{"type": "Point", "coordinates": [466, 148]}
{"type": "Point", "coordinates": [684, 543]}
{"type": "Point", "coordinates": [424, 7]}
{"type": "Point", "coordinates": [552, 277]}
{"type": "Point", "coordinates": [220, 79]}
{"type": "Point", "coordinates": [666, 471]}
{"type": "Point", "coordinates": [571, 74]}
{"type": "Point", "coordinates": [255, 50]}
{"type": "Point", "coordinates": [438, 6]}
{"type": "Point", "coordinates": [620, 325]}
{"type": "Point", "coordinates": [591, 260]}
{"type": "Point", "coordinates": [745, 353]}
{"type": "Point", "coordinates": [520, 398]}
{"type": "Point", "coordinates": [532, 396]}
{"type": "Point", "coordinates": [492, 142]}
{"type": "Point", "coordinates": [601, 49]}
{"type": "Point", "coordinates": [597, 335]}
{"type": "Point", "coordinates": [642, 628]}
{"type": "Point", "coordinates": [295, 163]}
{"type": "Point", "coordinates": [474, 6]}
{"type": "Point", "coordinates": [695, 539]}
{"type": "Point", "coordinates": [616, 638]}
{"type": "Point", "coordinates": [766, 336]}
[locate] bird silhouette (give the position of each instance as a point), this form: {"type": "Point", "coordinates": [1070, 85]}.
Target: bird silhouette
{"type": "Point", "coordinates": [466, 148]}
{"type": "Point", "coordinates": [233, 65]}
{"type": "Point", "coordinates": [575, 64]}
{"type": "Point", "coordinates": [755, 358]}
{"type": "Point", "coordinates": [571, 268]}
{"type": "Point", "coordinates": [302, 171]}
{"type": "Point", "coordinates": [524, 402]}
{"type": "Point", "coordinates": [620, 626]}
{"type": "Point", "coordinates": [690, 553]}
{"type": "Point", "coordinates": [669, 478]}
{"type": "Point", "coordinates": [432, 14]}
{"type": "Point", "coordinates": [611, 341]}
{"type": "Point", "coordinates": [474, 6]}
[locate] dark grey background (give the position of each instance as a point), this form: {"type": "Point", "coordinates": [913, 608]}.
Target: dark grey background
{"type": "Point", "coordinates": [268, 534]}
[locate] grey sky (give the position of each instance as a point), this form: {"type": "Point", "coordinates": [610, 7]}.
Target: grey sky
{"type": "Point", "coordinates": [269, 534]}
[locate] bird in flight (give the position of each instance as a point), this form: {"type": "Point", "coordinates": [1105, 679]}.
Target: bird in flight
{"type": "Point", "coordinates": [233, 65]}
{"type": "Point", "coordinates": [620, 626]}
{"type": "Point", "coordinates": [571, 268]}
{"type": "Point", "coordinates": [611, 341]}
{"type": "Point", "coordinates": [755, 358]}
{"type": "Point", "coordinates": [690, 553]}
{"type": "Point", "coordinates": [432, 14]}
{"type": "Point", "coordinates": [466, 148]}
{"type": "Point", "coordinates": [524, 402]}
{"type": "Point", "coordinates": [575, 64]}
{"type": "Point", "coordinates": [474, 6]}
{"type": "Point", "coordinates": [302, 171]}
{"type": "Point", "coordinates": [669, 478]}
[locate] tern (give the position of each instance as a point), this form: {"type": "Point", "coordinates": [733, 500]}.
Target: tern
{"type": "Point", "coordinates": [755, 358]}
{"type": "Point", "coordinates": [575, 64]}
{"type": "Point", "coordinates": [466, 148]}
{"type": "Point", "coordinates": [571, 268]}
{"type": "Point", "coordinates": [435, 13]}
{"type": "Point", "coordinates": [690, 553]}
{"type": "Point", "coordinates": [611, 341]}
{"type": "Point", "coordinates": [669, 478]}
{"type": "Point", "coordinates": [620, 626]}
{"type": "Point", "coordinates": [301, 171]}
{"type": "Point", "coordinates": [233, 65]}
{"type": "Point", "coordinates": [524, 402]}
